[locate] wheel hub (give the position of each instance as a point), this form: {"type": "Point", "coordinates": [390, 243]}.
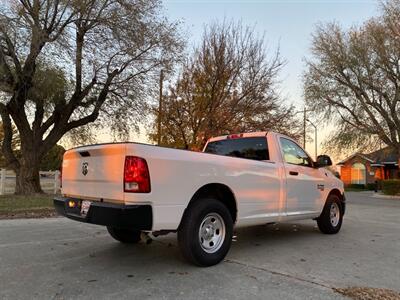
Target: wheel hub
{"type": "Point", "coordinates": [208, 233]}
{"type": "Point", "coordinates": [334, 214]}
{"type": "Point", "coordinates": [212, 232]}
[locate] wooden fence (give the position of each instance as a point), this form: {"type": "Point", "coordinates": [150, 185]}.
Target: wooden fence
{"type": "Point", "coordinates": [50, 182]}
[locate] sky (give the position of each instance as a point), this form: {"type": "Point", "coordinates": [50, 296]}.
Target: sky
{"type": "Point", "coordinates": [287, 24]}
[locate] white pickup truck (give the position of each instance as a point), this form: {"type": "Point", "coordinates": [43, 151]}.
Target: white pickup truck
{"type": "Point", "coordinates": [238, 180]}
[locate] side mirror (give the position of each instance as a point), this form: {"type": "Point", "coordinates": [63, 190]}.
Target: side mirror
{"type": "Point", "coordinates": [323, 161]}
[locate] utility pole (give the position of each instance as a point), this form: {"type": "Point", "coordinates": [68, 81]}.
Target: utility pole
{"type": "Point", "coordinates": [304, 128]}
{"type": "Point", "coordinates": [159, 117]}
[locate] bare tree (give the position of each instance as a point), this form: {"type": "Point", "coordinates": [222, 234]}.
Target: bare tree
{"type": "Point", "coordinates": [227, 85]}
{"type": "Point", "coordinates": [105, 53]}
{"type": "Point", "coordinates": [353, 79]}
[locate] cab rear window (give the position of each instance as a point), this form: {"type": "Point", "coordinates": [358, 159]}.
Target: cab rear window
{"type": "Point", "coordinates": [250, 148]}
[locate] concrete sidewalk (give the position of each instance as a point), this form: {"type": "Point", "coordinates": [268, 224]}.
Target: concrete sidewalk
{"type": "Point", "coordinates": [379, 195]}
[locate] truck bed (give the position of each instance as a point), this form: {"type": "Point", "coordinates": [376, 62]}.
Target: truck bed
{"type": "Point", "coordinates": [175, 177]}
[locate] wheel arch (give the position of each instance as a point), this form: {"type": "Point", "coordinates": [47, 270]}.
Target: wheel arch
{"type": "Point", "coordinates": [220, 192]}
{"type": "Point", "coordinates": [340, 195]}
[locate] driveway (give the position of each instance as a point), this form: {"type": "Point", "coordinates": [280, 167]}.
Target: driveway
{"type": "Point", "coordinates": [62, 259]}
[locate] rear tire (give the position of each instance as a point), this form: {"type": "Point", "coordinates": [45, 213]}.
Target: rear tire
{"type": "Point", "coordinates": [126, 236]}
{"type": "Point", "coordinates": [205, 233]}
{"type": "Point", "coordinates": [331, 218]}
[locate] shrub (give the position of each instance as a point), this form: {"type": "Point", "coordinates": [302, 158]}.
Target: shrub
{"type": "Point", "coordinates": [391, 187]}
{"type": "Point", "coordinates": [356, 186]}
{"type": "Point", "coordinates": [371, 186]}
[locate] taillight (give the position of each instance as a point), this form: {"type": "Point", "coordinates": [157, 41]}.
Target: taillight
{"type": "Point", "coordinates": [136, 175]}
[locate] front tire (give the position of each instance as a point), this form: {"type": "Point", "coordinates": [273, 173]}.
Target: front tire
{"type": "Point", "coordinates": [126, 236]}
{"type": "Point", "coordinates": [331, 218]}
{"type": "Point", "coordinates": [205, 233]}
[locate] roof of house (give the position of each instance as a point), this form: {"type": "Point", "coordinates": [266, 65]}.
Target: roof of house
{"type": "Point", "coordinates": [383, 156]}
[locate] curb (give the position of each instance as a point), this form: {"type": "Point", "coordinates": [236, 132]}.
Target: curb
{"type": "Point", "coordinates": [380, 196]}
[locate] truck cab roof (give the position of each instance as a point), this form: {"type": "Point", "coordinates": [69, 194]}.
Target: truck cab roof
{"type": "Point", "coordinates": [238, 135]}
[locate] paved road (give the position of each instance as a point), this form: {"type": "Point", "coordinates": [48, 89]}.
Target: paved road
{"type": "Point", "coordinates": [61, 259]}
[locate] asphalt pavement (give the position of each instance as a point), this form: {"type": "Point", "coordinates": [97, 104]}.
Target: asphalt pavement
{"type": "Point", "coordinates": [61, 259]}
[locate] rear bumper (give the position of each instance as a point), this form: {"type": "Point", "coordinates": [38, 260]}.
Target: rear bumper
{"type": "Point", "coordinates": [138, 217]}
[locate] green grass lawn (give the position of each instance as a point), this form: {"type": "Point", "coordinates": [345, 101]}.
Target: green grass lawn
{"type": "Point", "coordinates": [26, 206]}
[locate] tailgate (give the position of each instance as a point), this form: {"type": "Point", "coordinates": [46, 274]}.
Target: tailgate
{"type": "Point", "coordinates": [94, 172]}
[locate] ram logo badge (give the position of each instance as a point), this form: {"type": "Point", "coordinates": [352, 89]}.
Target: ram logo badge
{"type": "Point", "coordinates": [85, 168]}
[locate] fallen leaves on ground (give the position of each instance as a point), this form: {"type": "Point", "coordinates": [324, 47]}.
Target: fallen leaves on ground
{"type": "Point", "coordinates": [367, 293]}
{"type": "Point", "coordinates": [31, 214]}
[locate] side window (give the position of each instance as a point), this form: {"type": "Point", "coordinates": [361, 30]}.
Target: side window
{"type": "Point", "coordinates": [293, 154]}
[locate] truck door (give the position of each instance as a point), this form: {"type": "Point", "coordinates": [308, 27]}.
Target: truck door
{"type": "Point", "coordinates": [304, 183]}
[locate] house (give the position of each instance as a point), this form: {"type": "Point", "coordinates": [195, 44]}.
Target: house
{"type": "Point", "coordinates": [362, 168]}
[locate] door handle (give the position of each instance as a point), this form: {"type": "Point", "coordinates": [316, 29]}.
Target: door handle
{"type": "Point", "coordinates": [294, 173]}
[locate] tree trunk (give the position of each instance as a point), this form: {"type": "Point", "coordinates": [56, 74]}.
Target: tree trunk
{"type": "Point", "coordinates": [398, 159]}
{"type": "Point", "coordinates": [28, 179]}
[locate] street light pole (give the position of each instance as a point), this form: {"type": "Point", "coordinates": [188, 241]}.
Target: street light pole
{"type": "Point", "coordinates": [304, 112]}
{"type": "Point", "coordinates": [160, 108]}
{"type": "Point", "coordinates": [315, 139]}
